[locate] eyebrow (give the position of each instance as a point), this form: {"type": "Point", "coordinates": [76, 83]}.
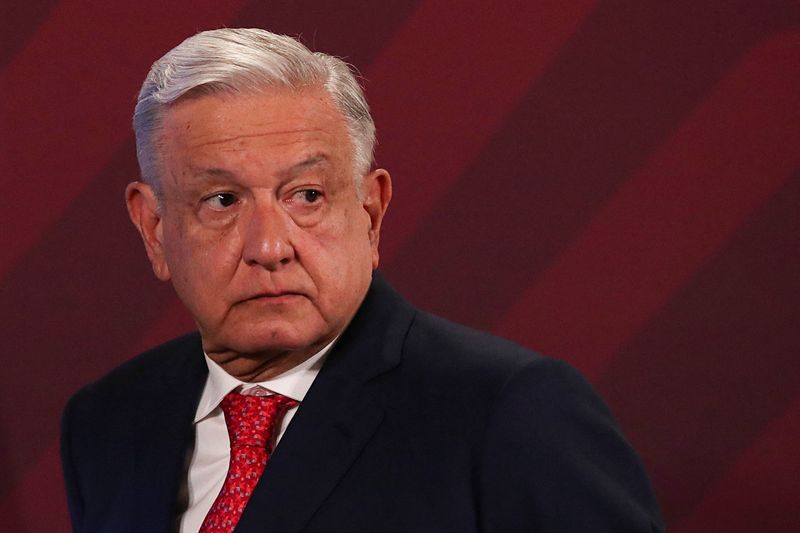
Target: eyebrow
{"type": "Point", "coordinates": [212, 172]}
{"type": "Point", "coordinates": [216, 173]}
{"type": "Point", "coordinates": [307, 163]}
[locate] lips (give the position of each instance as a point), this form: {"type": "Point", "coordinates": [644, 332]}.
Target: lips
{"type": "Point", "coordinates": [273, 296]}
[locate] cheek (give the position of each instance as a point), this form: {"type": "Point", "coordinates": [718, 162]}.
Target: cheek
{"type": "Point", "coordinates": [358, 233]}
{"type": "Point", "coordinates": [200, 258]}
{"type": "Point", "coordinates": [342, 242]}
{"type": "Point", "coordinates": [351, 250]}
{"type": "Point", "coordinates": [355, 225]}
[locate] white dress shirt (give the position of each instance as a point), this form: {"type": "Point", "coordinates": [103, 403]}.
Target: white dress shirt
{"type": "Point", "coordinates": [208, 463]}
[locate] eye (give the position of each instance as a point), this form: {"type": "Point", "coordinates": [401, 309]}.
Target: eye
{"type": "Point", "coordinates": [309, 196]}
{"type": "Point", "coordinates": [221, 200]}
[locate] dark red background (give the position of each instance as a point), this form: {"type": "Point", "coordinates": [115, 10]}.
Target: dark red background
{"type": "Point", "coordinates": [613, 183]}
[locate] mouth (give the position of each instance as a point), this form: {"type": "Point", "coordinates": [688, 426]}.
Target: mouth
{"type": "Point", "coordinates": [274, 297]}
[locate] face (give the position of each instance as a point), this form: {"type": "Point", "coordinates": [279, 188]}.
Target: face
{"type": "Point", "coordinates": [261, 229]}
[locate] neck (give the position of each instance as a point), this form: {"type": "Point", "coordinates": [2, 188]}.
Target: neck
{"type": "Point", "coordinates": [256, 367]}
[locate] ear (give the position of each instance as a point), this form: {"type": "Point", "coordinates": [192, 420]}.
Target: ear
{"type": "Point", "coordinates": [145, 214]}
{"type": "Point", "coordinates": [377, 190]}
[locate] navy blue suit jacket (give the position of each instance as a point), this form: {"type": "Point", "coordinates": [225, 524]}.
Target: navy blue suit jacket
{"type": "Point", "coordinates": [414, 424]}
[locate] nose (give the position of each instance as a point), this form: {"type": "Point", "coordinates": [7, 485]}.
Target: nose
{"type": "Point", "coordinates": [266, 237]}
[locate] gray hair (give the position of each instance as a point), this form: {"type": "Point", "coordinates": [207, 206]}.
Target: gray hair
{"type": "Point", "coordinates": [246, 61]}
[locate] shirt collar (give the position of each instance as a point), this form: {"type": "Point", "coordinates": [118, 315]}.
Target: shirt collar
{"type": "Point", "coordinates": [294, 383]}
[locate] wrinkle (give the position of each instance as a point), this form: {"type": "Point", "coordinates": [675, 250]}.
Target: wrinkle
{"type": "Point", "coordinates": [256, 135]}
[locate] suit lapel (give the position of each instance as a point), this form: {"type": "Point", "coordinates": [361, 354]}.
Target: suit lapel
{"type": "Point", "coordinates": [336, 419]}
{"type": "Point", "coordinates": [164, 432]}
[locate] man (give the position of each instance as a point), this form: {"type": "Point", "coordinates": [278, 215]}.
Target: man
{"type": "Point", "coordinates": [260, 204]}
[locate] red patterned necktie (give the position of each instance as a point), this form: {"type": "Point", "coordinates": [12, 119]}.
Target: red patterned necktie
{"type": "Point", "coordinates": [252, 423]}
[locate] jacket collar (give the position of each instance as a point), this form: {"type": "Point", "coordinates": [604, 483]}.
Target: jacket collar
{"type": "Point", "coordinates": [339, 415]}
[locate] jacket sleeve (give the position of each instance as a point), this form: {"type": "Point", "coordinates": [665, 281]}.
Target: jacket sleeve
{"type": "Point", "coordinates": [554, 460]}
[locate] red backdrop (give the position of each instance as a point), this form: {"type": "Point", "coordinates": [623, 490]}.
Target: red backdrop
{"type": "Point", "coordinates": [613, 183]}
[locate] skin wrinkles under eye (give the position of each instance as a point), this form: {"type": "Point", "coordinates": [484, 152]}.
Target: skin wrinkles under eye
{"type": "Point", "coordinates": [307, 206]}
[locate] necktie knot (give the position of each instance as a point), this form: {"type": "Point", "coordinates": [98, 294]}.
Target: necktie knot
{"type": "Point", "coordinates": [252, 420]}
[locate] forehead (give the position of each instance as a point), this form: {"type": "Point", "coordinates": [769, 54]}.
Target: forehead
{"type": "Point", "coordinates": [276, 124]}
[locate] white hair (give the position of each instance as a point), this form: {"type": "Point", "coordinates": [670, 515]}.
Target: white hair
{"type": "Point", "coordinates": [247, 61]}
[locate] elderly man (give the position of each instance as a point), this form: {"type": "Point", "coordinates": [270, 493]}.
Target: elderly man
{"type": "Point", "coordinates": [313, 397]}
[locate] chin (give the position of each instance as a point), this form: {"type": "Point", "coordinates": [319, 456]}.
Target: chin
{"type": "Point", "coordinates": [275, 340]}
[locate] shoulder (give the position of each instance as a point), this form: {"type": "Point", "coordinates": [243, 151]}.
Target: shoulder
{"type": "Point", "coordinates": [546, 448]}
{"type": "Point", "coordinates": [518, 386]}
{"type": "Point", "coordinates": [104, 411]}
{"type": "Point", "coordinates": [511, 378]}
{"type": "Point", "coordinates": [137, 376]}
{"type": "Point", "coordinates": [467, 355]}
{"type": "Point", "coordinates": [103, 422]}
{"type": "Point", "coordinates": [467, 370]}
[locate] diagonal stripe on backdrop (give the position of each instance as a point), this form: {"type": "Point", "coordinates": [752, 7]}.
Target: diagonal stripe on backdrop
{"type": "Point", "coordinates": [440, 90]}
{"type": "Point", "coordinates": [18, 20]}
{"type": "Point", "coordinates": [66, 102]}
{"type": "Point", "coordinates": [620, 86]}
{"type": "Point", "coordinates": [671, 216]}
{"type": "Point", "coordinates": [80, 303]}
{"type": "Point", "coordinates": [173, 320]}
{"type": "Point", "coordinates": [38, 503]}
{"type": "Point", "coordinates": [701, 380]}
{"type": "Point", "coordinates": [352, 29]}
{"type": "Point", "coordinates": [768, 473]}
